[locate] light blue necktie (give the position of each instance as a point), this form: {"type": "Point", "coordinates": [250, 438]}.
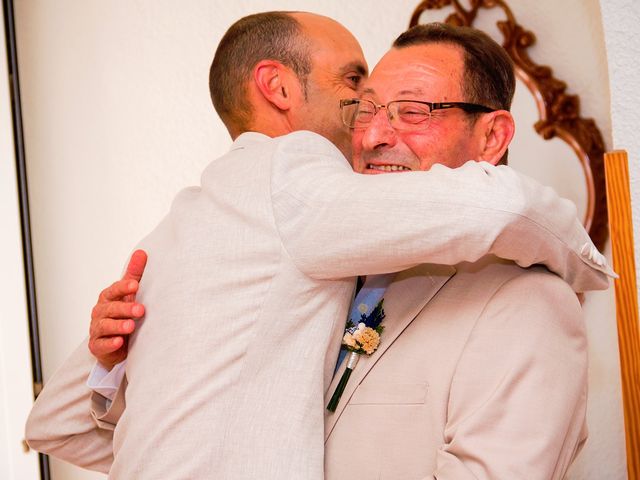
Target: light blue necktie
{"type": "Point", "coordinates": [366, 300]}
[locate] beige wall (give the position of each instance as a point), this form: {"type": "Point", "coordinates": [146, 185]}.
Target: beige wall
{"type": "Point", "coordinates": [118, 119]}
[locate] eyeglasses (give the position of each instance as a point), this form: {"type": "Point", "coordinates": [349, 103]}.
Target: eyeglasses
{"type": "Point", "coordinates": [402, 114]}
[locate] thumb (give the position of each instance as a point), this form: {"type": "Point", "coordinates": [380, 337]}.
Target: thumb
{"type": "Point", "coordinates": [135, 269]}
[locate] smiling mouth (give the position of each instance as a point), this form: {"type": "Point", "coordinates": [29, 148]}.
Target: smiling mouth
{"type": "Point", "coordinates": [388, 168]}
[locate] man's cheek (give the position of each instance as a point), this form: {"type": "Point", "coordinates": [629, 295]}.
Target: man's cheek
{"type": "Point", "coordinates": [356, 151]}
{"type": "Point", "coordinates": [357, 164]}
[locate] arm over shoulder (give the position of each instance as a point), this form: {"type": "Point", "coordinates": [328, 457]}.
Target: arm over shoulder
{"type": "Point", "coordinates": [336, 223]}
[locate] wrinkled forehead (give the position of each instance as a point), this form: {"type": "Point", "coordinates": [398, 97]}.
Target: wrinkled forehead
{"type": "Point", "coordinates": [425, 72]}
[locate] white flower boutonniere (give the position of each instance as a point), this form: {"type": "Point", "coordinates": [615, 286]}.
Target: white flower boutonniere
{"type": "Point", "coordinates": [362, 339]}
{"type": "Point", "coordinates": [358, 339]}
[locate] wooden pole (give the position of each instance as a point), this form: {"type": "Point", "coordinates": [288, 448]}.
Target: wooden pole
{"type": "Point", "coordinates": [621, 231]}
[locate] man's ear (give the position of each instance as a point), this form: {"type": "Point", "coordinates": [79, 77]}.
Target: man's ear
{"type": "Point", "coordinates": [497, 129]}
{"type": "Point", "coordinates": [272, 80]}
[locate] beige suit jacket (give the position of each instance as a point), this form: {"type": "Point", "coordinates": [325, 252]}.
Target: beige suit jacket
{"type": "Point", "coordinates": [248, 284]}
{"type": "Point", "coordinates": [488, 380]}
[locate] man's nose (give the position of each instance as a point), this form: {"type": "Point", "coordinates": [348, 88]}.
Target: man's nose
{"type": "Point", "coordinates": [379, 133]}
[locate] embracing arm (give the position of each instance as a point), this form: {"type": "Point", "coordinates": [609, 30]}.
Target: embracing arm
{"type": "Point", "coordinates": [335, 223]}
{"type": "Point", "coordinates": [61, 423]}
{"type": "Point", "coordinates": [112, 317]}
{"type": "Point", "coordinates": [517, 404]}
{"type": "Point", "coordinates": [69, 420]}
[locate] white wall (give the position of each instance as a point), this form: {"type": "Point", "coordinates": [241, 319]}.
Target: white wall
{"type": "Point", "coordinates": [16, 388]}
{"type": "Point", "coordinates": [621, 20]}
{"type": "Point", "coordinates": [118, 118]}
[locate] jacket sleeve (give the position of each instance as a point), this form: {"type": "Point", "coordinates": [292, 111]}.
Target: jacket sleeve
{"type": "Point", "coordinates": [517, 403]}
{"type": "Point", "coordinates": [335, 223]}
{"type": "Point", "coordinates": [71, 422]}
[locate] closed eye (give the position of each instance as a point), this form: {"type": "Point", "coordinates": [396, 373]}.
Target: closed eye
{"type": "Point", "coordinates": [354, 80]}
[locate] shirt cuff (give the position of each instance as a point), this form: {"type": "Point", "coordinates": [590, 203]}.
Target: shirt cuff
{"type": "Point", "coordinates": [106, 382]}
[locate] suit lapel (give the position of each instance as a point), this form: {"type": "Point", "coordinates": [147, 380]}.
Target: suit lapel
{"type": "Point", "coordinates": [405, 297]}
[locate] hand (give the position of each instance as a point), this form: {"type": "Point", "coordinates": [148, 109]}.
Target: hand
{"type": "Point", "coordinates": [112, 318]}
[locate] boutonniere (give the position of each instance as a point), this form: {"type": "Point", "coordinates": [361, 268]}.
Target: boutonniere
{"type": "Point", "coordinates": [363, 338]}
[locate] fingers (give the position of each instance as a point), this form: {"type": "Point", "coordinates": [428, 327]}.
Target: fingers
{"type": "Point", "coordinates": [135, 269]}
{"type": "Point", "coordinates": [126, 288]}
{"type": "Point", "coordinates": [118, 291]}
{"type": "Point", "coordinates": [116, 310]}
{"type": "Point", "coordinates": [108, 351]}
{"type": "Point", "coordinates": [104, 346]}
{"type": "Point", "coordinates": [108, 339]}
{"type": "Point", "coordinates": [112, 317]}
{"type": "Point", "coordinates": [107, 327]}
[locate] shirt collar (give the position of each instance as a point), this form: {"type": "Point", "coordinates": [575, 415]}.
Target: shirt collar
{"type": "Point", "coordinates": [248, 139]}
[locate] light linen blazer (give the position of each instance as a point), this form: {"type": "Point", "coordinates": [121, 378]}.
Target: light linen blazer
{"type": "Point", "coordinates": [486, 381]}
{"type": "Point", "coordinates": [248, 284]}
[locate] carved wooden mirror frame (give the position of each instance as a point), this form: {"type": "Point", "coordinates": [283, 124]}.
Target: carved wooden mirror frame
{"type": "Point", "coordinates": [559, 112]}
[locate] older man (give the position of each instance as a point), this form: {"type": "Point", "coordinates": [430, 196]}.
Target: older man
{"type": "Point", "coordinates": [251, 275]}
{"type": "Point", "coordinates": [482, 369]}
